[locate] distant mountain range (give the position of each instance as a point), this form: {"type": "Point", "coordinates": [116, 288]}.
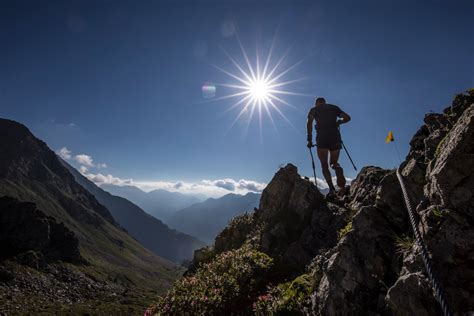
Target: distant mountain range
{"type": "Point", "coordinates": [148, 230]}
{"type": "Point", "coordinates": [159, 203]}
{"type": "Point", "coordinates": [206, 219]}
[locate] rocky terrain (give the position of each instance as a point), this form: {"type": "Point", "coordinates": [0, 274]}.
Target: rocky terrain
{"type": "Point", "coordinates": [61, 250]}
{"type": "Point", "coordinates": [301, 254]}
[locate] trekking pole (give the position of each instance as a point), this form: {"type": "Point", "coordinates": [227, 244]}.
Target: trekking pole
{"type": "Point", "coordinates": [314, 168]}
{"type": "Point", "coordinates": [347, 152]}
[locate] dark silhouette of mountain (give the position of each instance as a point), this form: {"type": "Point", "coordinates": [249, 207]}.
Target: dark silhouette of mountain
{"type": "Point", "coordinates": [204, 220]}
{"type": "Point", "coordinates": [159, 203]}
{"type": "Point", "coordinates": [53, 219]}
{"type": "Point", "coordinates": [148, 230]}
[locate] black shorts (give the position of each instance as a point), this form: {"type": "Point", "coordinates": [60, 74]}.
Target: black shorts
{"type": "Point", "coordinates": [331, 141]}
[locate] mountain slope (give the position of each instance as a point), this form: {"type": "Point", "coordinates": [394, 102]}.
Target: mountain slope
{"type": "Point", "coordinates": [31, 172]}
{"type": "Point", "coordinates": [300, 254]}
{"type": "Point", "coordinates": [158, 203]}
{"type": "Point", "coordinates": [207, 218]}
{"type": "Point", "coordinates": [148, 230]}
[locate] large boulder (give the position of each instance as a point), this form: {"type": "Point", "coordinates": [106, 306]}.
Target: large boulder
{"type": "Point", "coordinates": [363, 190]}
{"type": "Point", "coordinates": [412, 295]}
{"type": "Point", "coordinates": [296, 221]}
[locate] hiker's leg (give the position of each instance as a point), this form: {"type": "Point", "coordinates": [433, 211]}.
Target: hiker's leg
{"type": "Point", "coordinates": [323, 158]}
{"type": "Point", "coordinates": [333, 159]}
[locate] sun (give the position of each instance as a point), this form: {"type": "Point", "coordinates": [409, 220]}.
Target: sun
{"type": "Point", "coordinates": [259, 88]}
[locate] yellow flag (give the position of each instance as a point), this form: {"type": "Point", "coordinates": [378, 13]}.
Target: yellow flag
{"type": "Point", "coordinates": [389, 137]}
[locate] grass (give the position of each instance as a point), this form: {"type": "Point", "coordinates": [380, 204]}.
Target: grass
{"type": "Point", "coordinates": [438, 213]}
{"type": "Point", "coordinates": [343, 232]}
{"type": "Point", "coordinates": [403, 244]}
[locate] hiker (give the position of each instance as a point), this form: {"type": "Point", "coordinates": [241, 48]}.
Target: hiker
{"type": "Point", "coordinates": [328, 140]}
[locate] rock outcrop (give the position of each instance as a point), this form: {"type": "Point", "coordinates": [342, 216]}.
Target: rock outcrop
{"type": "Point", "coordinates": [444, 167]}
{"type": "Point", "coordinates": [24, 228]}
{"type": "Point", "coordinates": [359, 257]}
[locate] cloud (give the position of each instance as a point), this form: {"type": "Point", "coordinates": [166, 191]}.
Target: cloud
{"type": "Point", "coordinates": [251, 185]}
{"type": "Point", "coordinates": [239, 186]}
{"type": "Point", "coordinates": [227, 184]}
{"type": "Point", "coordinates": [210, 188]}
{"type": "Point", "coordinates": [84, 160]}
{"type": "Point", "coordinates": [100, 179]}
{"type": "Point", "coordinates": [64, 153]}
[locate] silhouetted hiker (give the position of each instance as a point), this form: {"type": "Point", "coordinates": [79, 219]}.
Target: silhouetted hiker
{"type": "Point", "coordinates": [328, 139]}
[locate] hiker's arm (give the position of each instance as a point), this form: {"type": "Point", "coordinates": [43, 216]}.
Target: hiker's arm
{"type": "Point", "coordinates": [344, 118]}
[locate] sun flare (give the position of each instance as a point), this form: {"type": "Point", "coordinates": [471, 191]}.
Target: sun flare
{"type": "Point", "coordinates": [259, 87]}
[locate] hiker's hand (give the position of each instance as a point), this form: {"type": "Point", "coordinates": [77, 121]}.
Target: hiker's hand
{"type": "Point", "coordinates": [310, 144]}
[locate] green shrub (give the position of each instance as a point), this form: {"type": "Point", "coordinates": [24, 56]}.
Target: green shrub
{"type": "Point", "coordinates": [229, 283]}
{"type": "Point", "coordinates": [287, 298]}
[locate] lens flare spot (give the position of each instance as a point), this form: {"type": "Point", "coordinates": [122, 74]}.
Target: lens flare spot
{"type": "Point", "coordinates": [208, 91]}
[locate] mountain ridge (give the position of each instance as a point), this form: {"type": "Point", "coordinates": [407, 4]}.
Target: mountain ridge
{"type": "Point", "coordinates": [148, 230]}
{"type": "Point", "coordinates": [195, 219]}
{"type": "Point", "coordinates": [158, 203]}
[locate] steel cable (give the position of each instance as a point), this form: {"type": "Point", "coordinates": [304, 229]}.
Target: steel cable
{"type": "Point", "coordinates": [438, 289]}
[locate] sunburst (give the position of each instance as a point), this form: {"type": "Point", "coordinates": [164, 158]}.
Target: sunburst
{"type": "Point", "coordinates": [259, 88]}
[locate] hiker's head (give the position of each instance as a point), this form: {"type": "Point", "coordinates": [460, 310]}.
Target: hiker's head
{"type": "Point", "coordinates": [320, 101]}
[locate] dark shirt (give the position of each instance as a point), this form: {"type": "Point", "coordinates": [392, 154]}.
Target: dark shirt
{"type": "Point", "coordinates": [326, 116]}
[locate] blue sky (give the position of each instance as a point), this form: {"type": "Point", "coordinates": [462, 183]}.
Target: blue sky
{"type": "Point", "coordinates": [121, 81]}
